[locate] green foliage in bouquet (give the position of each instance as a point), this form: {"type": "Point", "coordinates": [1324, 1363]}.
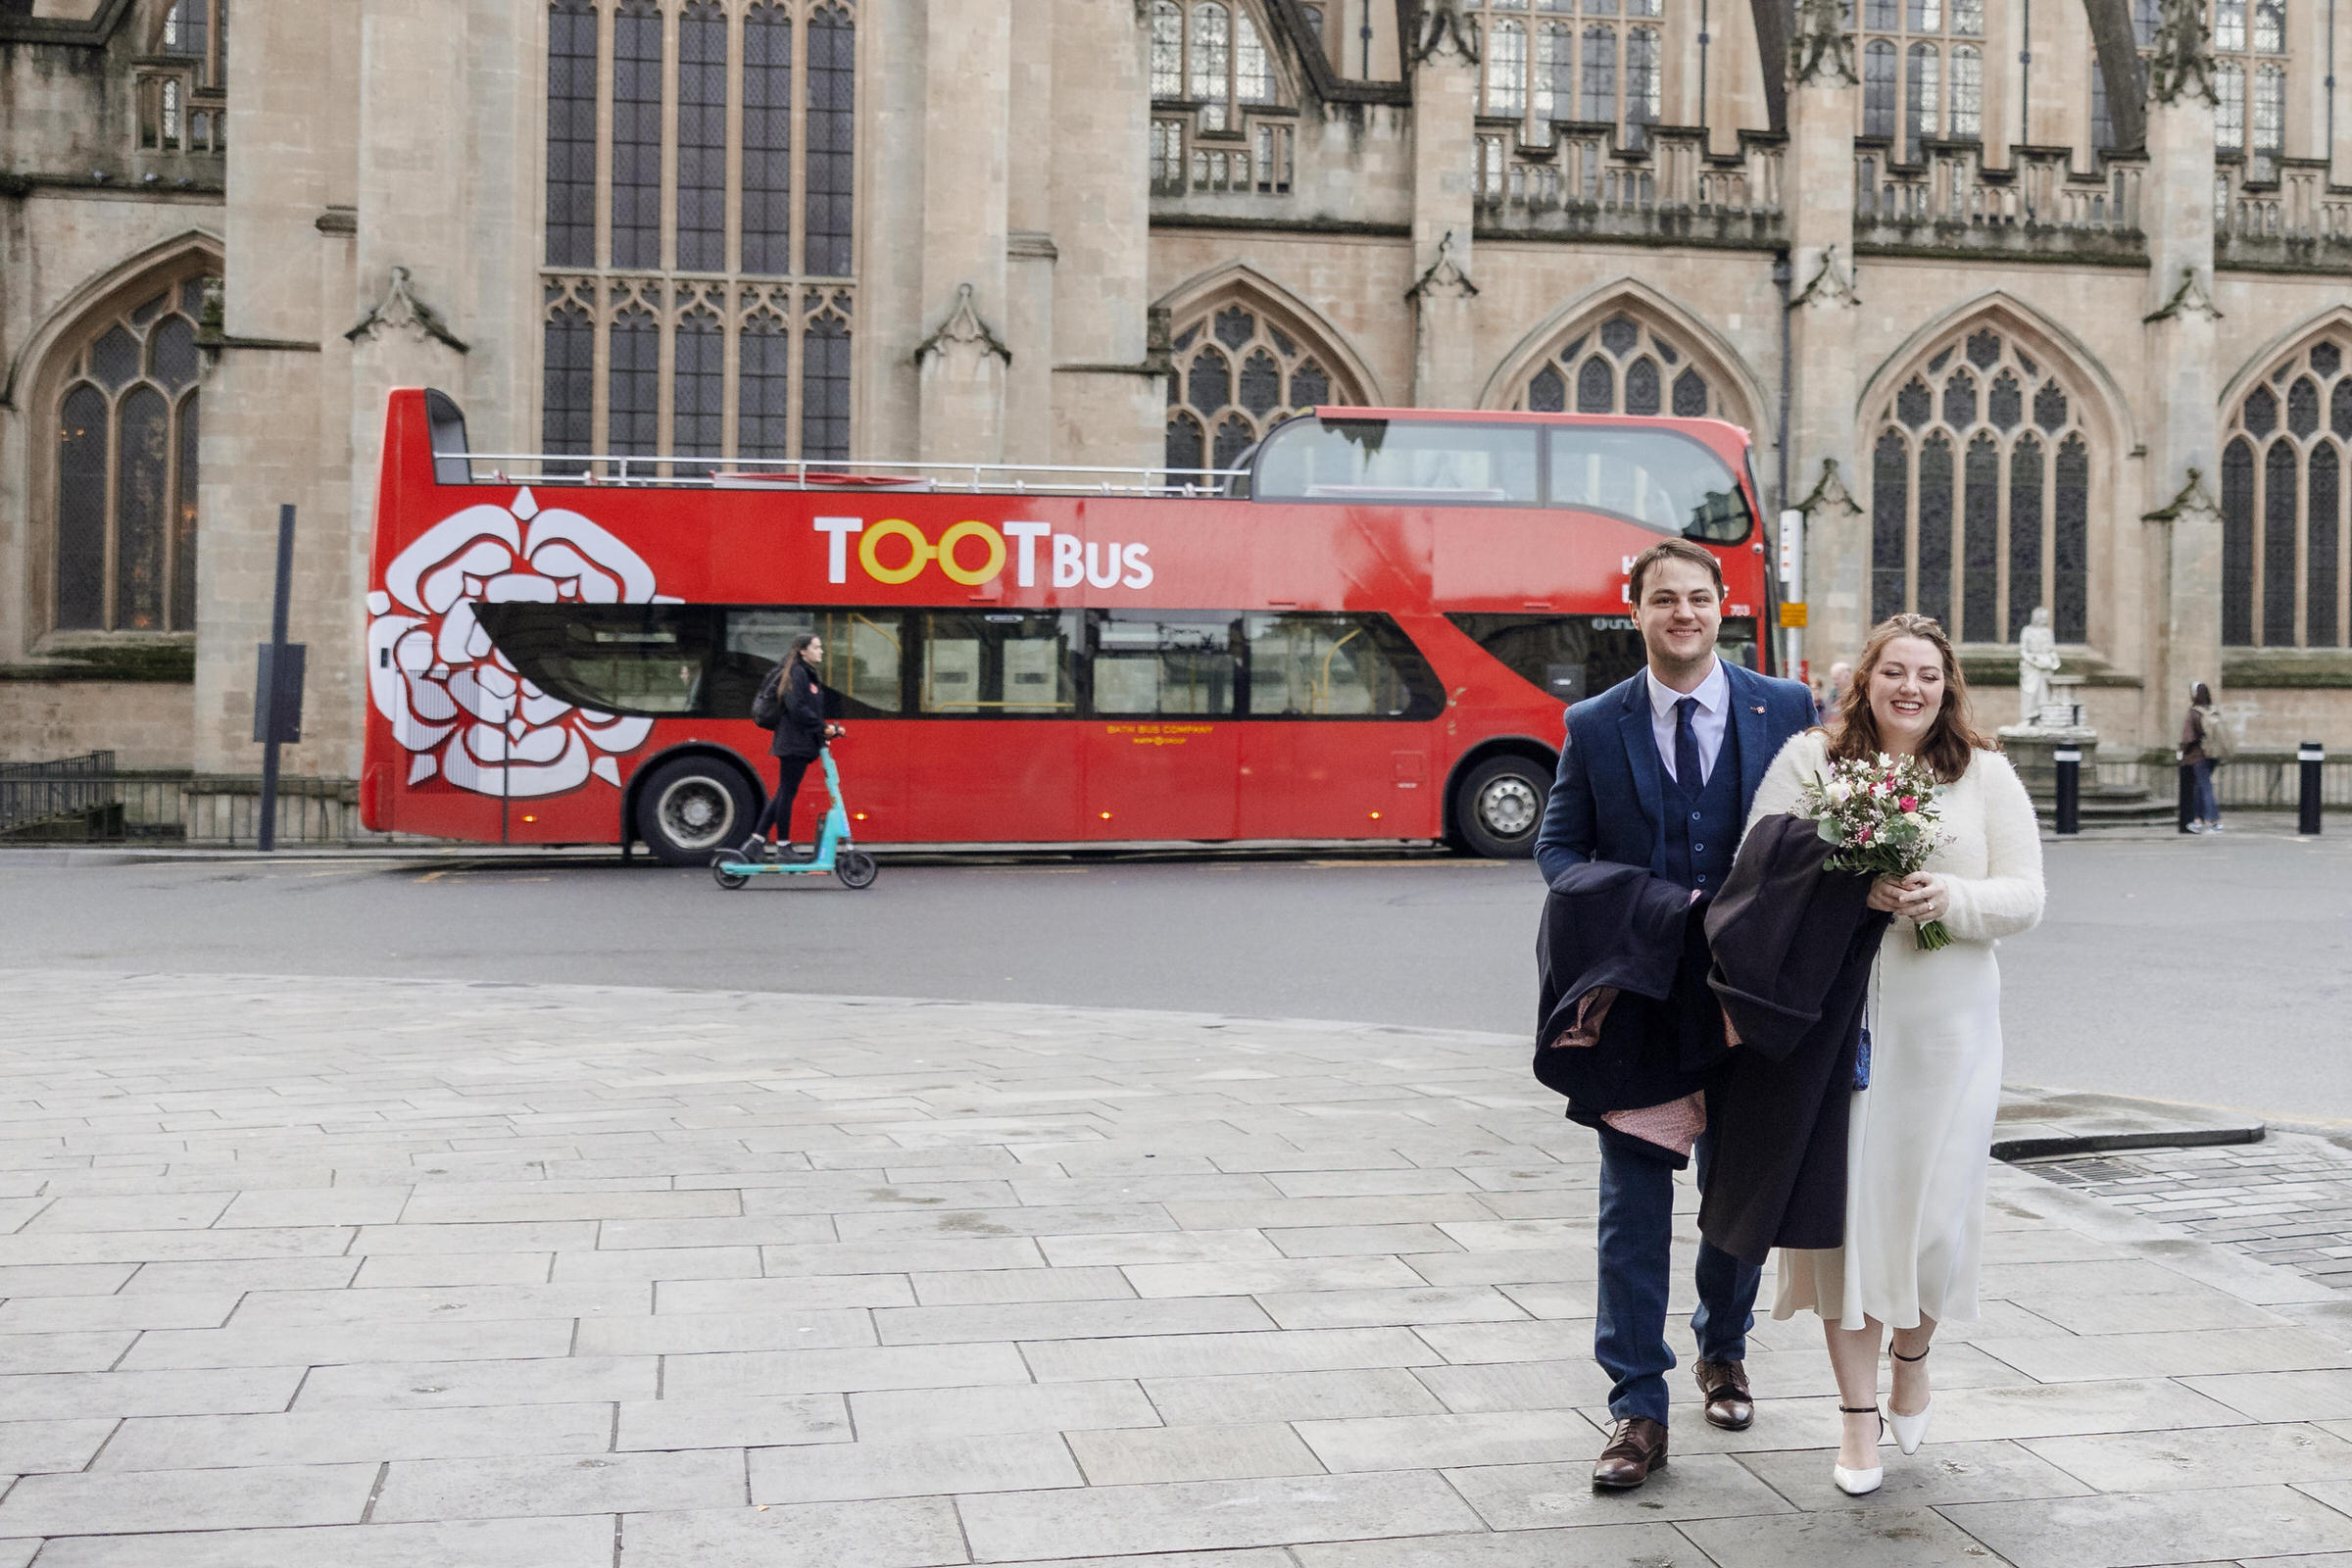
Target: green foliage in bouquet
{"type": "Point", "coordinates": [1880, 811]}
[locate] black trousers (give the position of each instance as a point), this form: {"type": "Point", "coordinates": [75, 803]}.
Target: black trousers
{"type": "Point", "coordinates": [789, 771]}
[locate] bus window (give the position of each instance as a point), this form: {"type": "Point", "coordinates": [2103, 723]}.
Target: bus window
{"type": "Point", "coordinates": [861, 657]}
{"type": "Point", "coordinates": [1575, 656]}
{"type": "Point", "coordinates": [1147, 662]}
{"type": "Point", "coordinates": [1380, 460]}
{"type": "Point", "coordinates": [613, 658]}
{"type": "Point", "coordinates": [1661, 480]}
{"type": "Point", "coordinates": [1304, 665]}
{"type": "Point", "coordinates": [999, 662]}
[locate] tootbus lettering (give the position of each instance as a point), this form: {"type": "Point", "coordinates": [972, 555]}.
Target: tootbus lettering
{"type": "Point", "coordinates": [974, 553]}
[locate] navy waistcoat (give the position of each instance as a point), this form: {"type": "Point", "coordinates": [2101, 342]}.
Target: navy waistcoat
{"type": "Point", "coordinates": [1702, 825]}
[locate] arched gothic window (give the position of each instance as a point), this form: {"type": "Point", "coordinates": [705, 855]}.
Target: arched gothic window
{"type": "Point", "coordinates": [1981, 475]}
{"type": "Point", "coordinates": [2285, 571]}
{"type": "Point", "coordinates": [1624, 365]}
{"type": "Point", "coordinates": [1240, 372]}
{"type": "Point", "coordinates": [661, 337]}
{"type": "Point", "coordinates": [126, 422]}
{"type": "Point", "coordinates": [1923, 71]}
{"type": "Point", "coordinates": [1219, 121]}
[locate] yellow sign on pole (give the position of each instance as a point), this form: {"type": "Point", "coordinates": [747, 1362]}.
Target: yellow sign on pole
{"type": "Point", "coordinates": [1792, 615]}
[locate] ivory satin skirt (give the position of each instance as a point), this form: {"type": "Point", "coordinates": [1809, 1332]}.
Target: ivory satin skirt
{"type": "Point", "coordinates": [1918, 1140]}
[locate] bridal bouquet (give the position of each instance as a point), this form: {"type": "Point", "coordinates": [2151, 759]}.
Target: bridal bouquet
{"type": "Point", "coordinates": [1880, 811]}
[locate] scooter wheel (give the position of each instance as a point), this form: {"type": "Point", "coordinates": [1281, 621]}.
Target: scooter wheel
{"type": "Point", "coordinates": [730, 880]}
{"type": "Point", "coordinates": [856, 869]}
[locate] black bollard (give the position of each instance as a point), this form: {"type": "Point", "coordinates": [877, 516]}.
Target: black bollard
{"type": "Point", "coordinates": [2189, 795]}
{"type": "Point", "coordinates": [2070, 788]}
{"type": "Point", "coordinates": [2310, 756]}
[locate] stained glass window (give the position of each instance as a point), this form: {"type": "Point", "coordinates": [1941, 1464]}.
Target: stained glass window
{"type": "Point", "coordinates": [2022, 514]}
{"type": "Point", "coordinates": [637, 135]}
{"type": "Point", "coordinates": [2283, 495]}
{"type": "Point", "coordinates": [704, 351]}
{"type": "Point", "coordinates": [124, 458]}
{"type": "Point", "coordinates": [1618, 370]}
{"type": "Point", "coordinates": [1215, 415]}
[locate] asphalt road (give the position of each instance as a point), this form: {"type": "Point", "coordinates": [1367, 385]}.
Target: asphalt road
{"type": "Point", "coordinates": [2216, 970]}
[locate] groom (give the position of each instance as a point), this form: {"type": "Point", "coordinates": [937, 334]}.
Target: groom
{"type": "Point", "coordinates": [1658, 772]}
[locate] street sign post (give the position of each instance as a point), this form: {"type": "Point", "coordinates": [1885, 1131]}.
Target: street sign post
{"type": "Point", "coordinates": [277, 684]}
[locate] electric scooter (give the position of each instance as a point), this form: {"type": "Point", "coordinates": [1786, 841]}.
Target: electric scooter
{"type": "Point", "coordinates": [834, 857]}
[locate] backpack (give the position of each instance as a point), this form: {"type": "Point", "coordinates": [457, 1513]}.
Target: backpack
{"type": "Point", "coordinates": [768, 703]}
{"type": "Point", "coordinates": [2219, 744]}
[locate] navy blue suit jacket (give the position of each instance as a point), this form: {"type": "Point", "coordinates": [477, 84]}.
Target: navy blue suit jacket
{"type": "Point", "coordinates": [1606, 800]}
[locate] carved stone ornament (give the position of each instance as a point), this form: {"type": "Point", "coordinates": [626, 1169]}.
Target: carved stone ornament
{"type": "Point", "coordinates": [2195, 502]}
{"type": "Point", "coordinates": [1831, 284]}
{"type": "Point", "coordinates": [1830, 496]}
{"type": "Point", "coordinates": [963, 330]}
{"type": "Point", "coordinates": [1444, 275]}
{"type": "Point", "coordinates": [2189, 298]}
{"type": "Point", "coordinates": [1821, 47]}
{"type": "Point", "coordinates": [401, 311]}
{"type": "Point", "coordinates": [1443, 27]}
{"type": "Point", "coordinates": [2181, 63]}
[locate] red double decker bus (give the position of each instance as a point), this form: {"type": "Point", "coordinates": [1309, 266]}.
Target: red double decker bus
{"type": "Point", "coordinates": [1364, 632]}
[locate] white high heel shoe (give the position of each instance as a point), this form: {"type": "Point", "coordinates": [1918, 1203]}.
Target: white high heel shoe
{"type": "Point", "coordinates": [1859, 1483]}
{"type": "Point", "coordinates": [1910, 1430]}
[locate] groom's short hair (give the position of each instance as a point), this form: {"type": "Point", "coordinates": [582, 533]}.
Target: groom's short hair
{"type": "Point", "coordinates": [1675, 549]}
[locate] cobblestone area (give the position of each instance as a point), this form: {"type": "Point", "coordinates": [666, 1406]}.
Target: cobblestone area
{"type": "Point", "coordinates": [2287, 1200]}
{"type": "Point", "coordinates": [400, 1274]}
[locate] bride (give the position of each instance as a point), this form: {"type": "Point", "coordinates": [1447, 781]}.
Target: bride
{"type": "Point", "coordinates": [1919, 1135]}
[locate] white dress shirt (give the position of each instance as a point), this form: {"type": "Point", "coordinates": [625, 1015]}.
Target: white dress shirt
{"type": "Point", "coordinates": [1714, 695]}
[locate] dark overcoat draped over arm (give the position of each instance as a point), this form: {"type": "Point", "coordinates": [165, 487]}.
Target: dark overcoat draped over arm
{"type": "Point", "coordinates": [1792, 942]}
{"type": "Point", "coordinates": [1616, 928]}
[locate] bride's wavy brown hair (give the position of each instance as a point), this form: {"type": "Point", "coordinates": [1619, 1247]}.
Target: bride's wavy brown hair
{"type": "Point", "coordinates": [1854, 732]}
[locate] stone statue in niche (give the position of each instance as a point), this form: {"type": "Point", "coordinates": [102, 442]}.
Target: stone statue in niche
{"type": "Point", "coordinates": [2037, 662]}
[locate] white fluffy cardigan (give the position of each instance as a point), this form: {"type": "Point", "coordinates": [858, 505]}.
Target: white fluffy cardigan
{"type": "Point", "coordinates": [1990, 855]}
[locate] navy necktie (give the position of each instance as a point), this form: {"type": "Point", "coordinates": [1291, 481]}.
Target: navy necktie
{"type": "Point", "coordinates": [1686, 747]}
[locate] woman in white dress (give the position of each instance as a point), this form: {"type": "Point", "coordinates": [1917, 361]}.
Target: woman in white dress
{"type": "Point", "coordinates": [1920, 1135]}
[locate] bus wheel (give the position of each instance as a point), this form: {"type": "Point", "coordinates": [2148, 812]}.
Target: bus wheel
{"type": "Point", "coordinates": [692, 806]}
{"type": "Point", "coordinates": [1499, 804]}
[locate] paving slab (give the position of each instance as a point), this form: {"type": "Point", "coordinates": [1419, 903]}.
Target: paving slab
{"type": "Point", "coordinates": [1085, 1287]}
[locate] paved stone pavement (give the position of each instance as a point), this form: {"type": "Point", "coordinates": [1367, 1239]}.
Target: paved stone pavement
{"type": "Point", "coordinates": [396, 1274]}
{"type": "Point", "coordinates": [2287, 1200]}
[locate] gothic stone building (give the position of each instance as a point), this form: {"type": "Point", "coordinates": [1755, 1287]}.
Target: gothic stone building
{"type": "Point", "coordinates": [2026, 305]}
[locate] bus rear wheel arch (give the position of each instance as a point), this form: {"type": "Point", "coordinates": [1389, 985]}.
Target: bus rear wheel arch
{"type": "Point", "coordinates": [1498, 804]}
{"type": "Point", "coordinates": [687, 805]}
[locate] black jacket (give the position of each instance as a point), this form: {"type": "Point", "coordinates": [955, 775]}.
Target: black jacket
{"type": "Point", "coordinates": [800, 731]}
{"type": "Point", "coordinates": [1617, 926]}
{"type": "Point", "coordinates": [1794, 943]}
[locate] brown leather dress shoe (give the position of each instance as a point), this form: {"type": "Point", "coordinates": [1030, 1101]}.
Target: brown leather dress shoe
{"type": "Point", "coordinates": [1636, 1449]}
{"type": "Point", "coordinates": [1724, 1386]}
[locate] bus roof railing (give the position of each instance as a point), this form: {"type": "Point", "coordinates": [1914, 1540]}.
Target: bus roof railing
{"type": "Point", "coordinates": [840, 474]}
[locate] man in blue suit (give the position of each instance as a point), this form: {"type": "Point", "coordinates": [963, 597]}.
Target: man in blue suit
{"type": "Point", "coordinates": [1658, 772]}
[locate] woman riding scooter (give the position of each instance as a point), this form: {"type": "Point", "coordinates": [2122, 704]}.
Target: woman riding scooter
{"type": "Point", "coordinates": [801, 735]}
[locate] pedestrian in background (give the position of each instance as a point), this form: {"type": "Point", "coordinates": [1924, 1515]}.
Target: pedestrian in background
{"type": "Point", "coordinates": [2204, 741]}
{"type": "Point", "coordinates": [1841, 675]}
{"type": "Point", "coordinates": [796, 697]}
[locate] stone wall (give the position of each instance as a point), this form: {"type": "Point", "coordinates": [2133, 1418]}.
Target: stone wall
{"type": "Point", "coordinates": [146, 724]}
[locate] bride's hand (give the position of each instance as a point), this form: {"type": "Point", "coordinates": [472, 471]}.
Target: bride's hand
{"type": "Point", "coordinates": [1886, 895]}
{"type": "Point", "coordinates": [1925, 897]}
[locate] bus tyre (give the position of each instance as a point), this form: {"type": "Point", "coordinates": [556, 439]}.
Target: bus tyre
{"type": "Point", "coordinates": [692, 806]}
{"type": "Point", "coordinates": [1499, 804]}
{"type": "Point", "coordinates": [856, 869]}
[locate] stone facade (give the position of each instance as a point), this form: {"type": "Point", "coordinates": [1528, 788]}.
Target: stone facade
{"type": "Point", "coordinates": [2003, 338]}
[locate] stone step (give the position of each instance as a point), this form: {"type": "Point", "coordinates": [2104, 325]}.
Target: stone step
{"type": "Point", "coordinates": [2042, 1123]}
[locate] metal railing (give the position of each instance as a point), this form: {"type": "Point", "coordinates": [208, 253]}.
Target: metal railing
{"type": "Point", "coordinates": [840, 475]}
{"type": "Point", "coordinates": [84, 800]}
{"type": "Point", "coordinates": [2262, 783]}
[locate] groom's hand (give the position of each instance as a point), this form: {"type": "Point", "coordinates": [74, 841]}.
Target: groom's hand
{"type": "Point", "coordinates": [1886, 895]}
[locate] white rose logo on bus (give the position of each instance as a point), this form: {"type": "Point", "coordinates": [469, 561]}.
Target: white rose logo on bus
{"type": "Point", "coordinates": [895, 551]}
{"type": "Point", "coordinates": [453, 700]}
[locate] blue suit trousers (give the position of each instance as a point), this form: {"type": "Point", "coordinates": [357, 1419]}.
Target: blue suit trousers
{"type": "Point", "coordinates": [1637, 1228]}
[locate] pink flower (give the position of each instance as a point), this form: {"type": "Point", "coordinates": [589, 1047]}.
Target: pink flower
{"type": "Point", "coordinates": [1863, 837]}
{"type": "Point", "coordinates": [1909, 803]}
